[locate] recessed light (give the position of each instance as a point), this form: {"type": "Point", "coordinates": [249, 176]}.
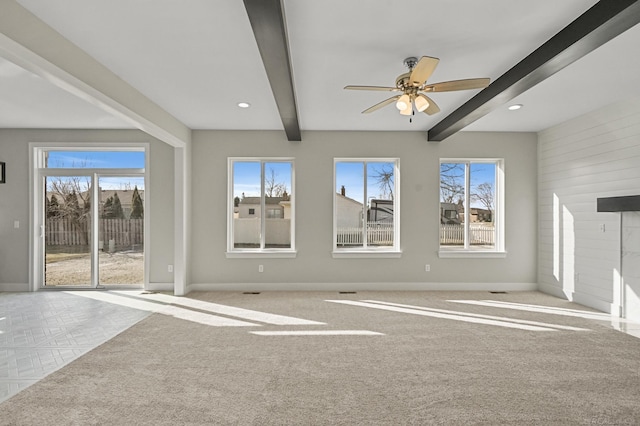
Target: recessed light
{"type": "Point", "coordinates": [244, 104]}
{"type": "Point", "coordinates": [515, 107]}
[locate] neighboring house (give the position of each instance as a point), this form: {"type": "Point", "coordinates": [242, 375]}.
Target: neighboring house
{"type": "Point", "coordinates": [250, 207]}
{"type": "Point", "coordinates": [380, 211]}
{"type": "Point", "coordinates": [453, 214]}
{"type": "Point", "coordinates": [286, 205]}
{"type": "Point", "coordinates": [348, 212]}
{"type": "Point", "coordinates": [480, 215]}
{"type": "Point", "coordinates": [450, 214]}
{"type": "Point", "coordinates": [125, 196]}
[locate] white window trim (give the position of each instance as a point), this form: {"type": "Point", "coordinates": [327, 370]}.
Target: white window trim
{"type": "Point", "coordinates": [468, 252]}
{"type": "Point", "coordinates": [369, 252]}
{"type": "Point", "coordinates": [235, 253]}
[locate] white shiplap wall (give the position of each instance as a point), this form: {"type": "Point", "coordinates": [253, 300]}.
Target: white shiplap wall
{"type": "Point", "coordinates": [592, 156]}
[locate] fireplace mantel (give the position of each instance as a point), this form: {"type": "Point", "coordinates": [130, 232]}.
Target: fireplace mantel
{"type": "Point", "coordinates": [630, 203]}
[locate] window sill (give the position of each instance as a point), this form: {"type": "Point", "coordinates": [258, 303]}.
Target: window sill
{"type": "Point", "coordinates": [274, 254]}
{"type": "Point", "coordinates": [364, 254]}
{"type": "Point", "coordinates": [470, 254]}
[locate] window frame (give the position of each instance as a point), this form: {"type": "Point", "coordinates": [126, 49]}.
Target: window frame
{"type": "Point", "coordinates": [498, 251]}
{"type": "Point", "coordinates": [394, 251]}
{"type": "Point", "coordinates": [261, 252]}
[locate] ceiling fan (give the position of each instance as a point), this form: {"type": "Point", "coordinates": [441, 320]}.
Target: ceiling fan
{"type": "Point", "coordinates": [414, 82]}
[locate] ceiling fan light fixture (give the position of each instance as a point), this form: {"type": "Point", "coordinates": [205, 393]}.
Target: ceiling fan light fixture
{"type": "Point", "coordinates": [407, 111]}
{"type": "Point", "coordinates": [421, 103]}
{"type": "Point", "coordinates": [403, 103]}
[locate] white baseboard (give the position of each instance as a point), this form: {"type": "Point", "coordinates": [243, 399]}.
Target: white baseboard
{"type": "Point", "coordinates": [14, 287]}
{"type": "Point", "coordinates": [584, 299]}
{"type": "Point", "coordinates": [596, 303]}
{"type": "Point", "coordinates": [159, 287]}
{"type": "Point", "coordinates": [553, 290]}
{"type": "Point", "coordinates": [386, 286]}
{"type": "Point", "coordinates": [21, 287]}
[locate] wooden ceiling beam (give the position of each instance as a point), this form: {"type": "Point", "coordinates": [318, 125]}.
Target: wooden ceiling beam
{"type": "Point", "coordinates": [604, 21]}
{"type": "Point", "coordinates": [270, 30]}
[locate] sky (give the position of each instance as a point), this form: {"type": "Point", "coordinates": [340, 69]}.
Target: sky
{"type": "Point", "coordinates": [480, 173]}
{"type": "Point", "coordinates": [351, 175]}
{"type": "Point", "coordinates": [246, 176]}
{"type": "Point", "coordinates": [103, 160]}
{"type": "Point", "coordinates": [97, 159]}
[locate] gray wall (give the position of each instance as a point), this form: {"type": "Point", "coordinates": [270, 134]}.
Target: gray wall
{"type": "Point", "coordinates": [14, 199]}
{"type": "Point", "coordinates": [315, 268]}
{"type": "Point", "coordinates": [595, 155]}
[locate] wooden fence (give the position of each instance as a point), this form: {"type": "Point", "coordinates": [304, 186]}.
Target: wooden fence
{"type": "Point", "coordinates": [123, 232]}
{"type": "Point", "coordinates": [479, 233]}
{"type": "Point", "coordinates": [378, 234]}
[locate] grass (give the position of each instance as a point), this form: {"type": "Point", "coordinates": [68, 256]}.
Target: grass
{"type": "Point", "coordinates": [121, 267]}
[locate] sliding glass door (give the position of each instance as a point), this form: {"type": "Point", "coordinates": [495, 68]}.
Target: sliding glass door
{"type": "Point", "coordinates": [67, 230]}
{"type": "Point", "coordinates": [91, 230]}
{"type": "Point", "coordinates": [121, 230]}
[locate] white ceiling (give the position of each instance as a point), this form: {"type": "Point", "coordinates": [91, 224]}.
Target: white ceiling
{"type": "Point", "coordinates": [197, 59]}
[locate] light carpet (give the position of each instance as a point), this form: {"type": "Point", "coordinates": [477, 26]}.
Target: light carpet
{"type": "Point", "coordinates": [419, 370]}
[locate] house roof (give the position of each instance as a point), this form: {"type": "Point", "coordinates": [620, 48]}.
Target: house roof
{"type": "Point", "coordinates": [88, 64]}
{"type": "Point", "coordinates": [348, 199]}
{"type": "Point", "coordinates": [268, 200]}
{"type": "Point", "coordinates": [124, 195]}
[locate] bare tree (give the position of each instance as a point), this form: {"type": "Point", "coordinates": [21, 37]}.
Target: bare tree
{"type": "Point", "coordinates": [484, 194]}
{"type": "Point", "coordinates": [64, 187]}
{"type": "Point", "coordinates": [273, 188]}
{"type": "Point", "coordinates": [383, 177]}
{"type": "Point", "coordinates": [451, 182]}
{"type": "Point", "coordinates": [75, 201]}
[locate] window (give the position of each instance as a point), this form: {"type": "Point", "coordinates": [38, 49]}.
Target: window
{"type": "Point", "coordinates": [274, 214]}
{"type": "Point", "coordinates": [261, 219]}
{"type": "Point", "coordinates": [366, 207]}
{"type": "Point", "coordinates": [471, 207]}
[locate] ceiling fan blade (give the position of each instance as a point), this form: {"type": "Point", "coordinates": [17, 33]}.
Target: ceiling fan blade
{"type": "Point", "coordinates": [450, 86]}
{"type": "Point", "coordinates": [381, 104]}
{"type": "Point", "coordinates": [432, 108]}
{"type": "Point", "coordinates": [376, 88]}
{"type": "Point", "coordinates": [423, 70]}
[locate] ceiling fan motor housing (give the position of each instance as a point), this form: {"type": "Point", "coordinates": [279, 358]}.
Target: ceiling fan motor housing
{"type": "Point", "coordinates": [411, 62]}
{"type": "Point", "coordinates": [403, 83]}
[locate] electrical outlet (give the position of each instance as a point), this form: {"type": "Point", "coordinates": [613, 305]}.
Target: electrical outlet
{"type": "Point", "coordinates": [260, 268]}
{"type": "Point", "coordinates": [16, 224]}
{"type": "Point", "coordinates": [169, 268]}
{"type": "Point", "coordinates": [427, 268]}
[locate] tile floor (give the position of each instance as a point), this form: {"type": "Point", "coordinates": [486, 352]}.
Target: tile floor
{"type": "Point", "coordinates": [41, 332]}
